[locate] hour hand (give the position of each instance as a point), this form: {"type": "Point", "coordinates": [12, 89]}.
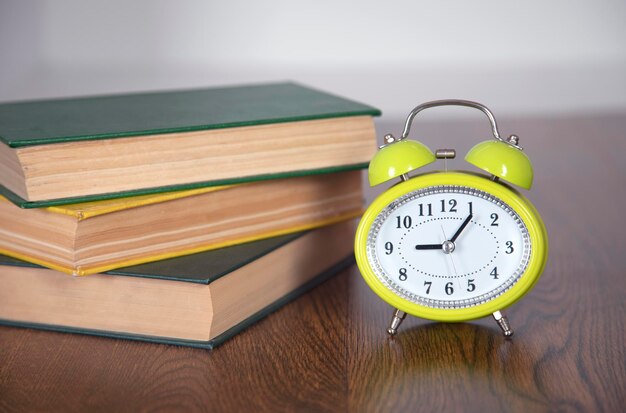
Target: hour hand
{"type": "Point", "coordinates": [429, 247]}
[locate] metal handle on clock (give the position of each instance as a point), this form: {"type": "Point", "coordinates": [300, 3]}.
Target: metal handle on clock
{"type": "Point", "coordinates": [454, 102]}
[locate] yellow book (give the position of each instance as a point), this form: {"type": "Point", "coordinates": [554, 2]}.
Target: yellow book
{"type": "Point", "coordinates": [93, 237]}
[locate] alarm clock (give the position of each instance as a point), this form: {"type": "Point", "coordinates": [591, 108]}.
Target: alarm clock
{"type": "Point", "coordinates": [451, 246]}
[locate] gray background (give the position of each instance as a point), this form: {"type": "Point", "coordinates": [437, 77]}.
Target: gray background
{"type": "Point", "coordinates": [520, 58]}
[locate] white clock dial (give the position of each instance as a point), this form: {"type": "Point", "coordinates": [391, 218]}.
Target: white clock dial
{"type": "Point", "coordinates": [448, 247]}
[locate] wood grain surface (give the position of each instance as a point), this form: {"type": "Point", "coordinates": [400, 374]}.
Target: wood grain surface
{"type": "Point", "coordinates": [328, 351]}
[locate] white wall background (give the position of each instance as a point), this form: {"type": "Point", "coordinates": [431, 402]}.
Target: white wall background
{"type": "Point", "coordinates": [518, 57]}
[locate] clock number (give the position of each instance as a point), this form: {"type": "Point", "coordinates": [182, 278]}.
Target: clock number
{"type": "Point", "coordinates": [451, 202]}
{"type": "Point", "coordinates": [470, 285]}
{"type": "Point", "coordinates": [494, 273]}
{"type": "Point", "coordinates": [494, 223]}
{"type": "Point", "coordinates": [471, 209]}
{"type": "Point", "coordinates": [449, 289]}
{"type": "Point", "coordinates": [403, 276]}
{"type": "Point", "coordinates": [405, 222]}
{"type": "Point", "coordinates": [509, 247]}
{"type": "Point", "coordinates": [388, 248]}
{"type": "Point", "coordinates": [428, 284]}
{"type": "Point", "coordinates": [430, 209]}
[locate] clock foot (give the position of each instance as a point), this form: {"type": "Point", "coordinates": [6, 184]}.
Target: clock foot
{"type": "Point", "coordinates": [398, 317]}
{"type": "Point", "coordinates": [503, 322]}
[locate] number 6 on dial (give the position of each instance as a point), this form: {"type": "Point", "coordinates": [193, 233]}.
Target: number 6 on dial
{"type": "Point", "coordinates": [451, 246]}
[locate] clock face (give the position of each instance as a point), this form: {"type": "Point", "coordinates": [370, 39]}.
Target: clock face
{"type": "Point", "coordinates": [448, 247]}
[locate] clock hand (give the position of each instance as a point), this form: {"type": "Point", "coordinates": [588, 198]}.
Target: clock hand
{"type": "Point", "coordinates": [461, 228]}
{"type": "Point", "coordinates": [454, 237]}
{"type": "Point", "coordinates": [449, 253]}
{"type": "Point", "coordinates": [429, 247]}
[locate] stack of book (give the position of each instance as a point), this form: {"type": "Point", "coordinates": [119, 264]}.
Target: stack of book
{"type": "Point", "coordinates": [183, 216]}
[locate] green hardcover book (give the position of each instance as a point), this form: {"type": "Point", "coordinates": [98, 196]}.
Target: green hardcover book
{"type": "Point", "coordinates": [199, 300]}
{"type": "Point", "coordinates": [60, 151]}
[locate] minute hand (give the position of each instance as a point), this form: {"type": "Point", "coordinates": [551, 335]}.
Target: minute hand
{"type": "Point", "coordinates": [463, 225]}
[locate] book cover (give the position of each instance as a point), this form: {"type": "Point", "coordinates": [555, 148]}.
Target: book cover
{"type": "Point", "coordinates": [64, 120]}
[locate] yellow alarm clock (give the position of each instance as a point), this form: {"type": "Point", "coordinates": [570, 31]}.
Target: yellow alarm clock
{"type": "Point", "coordinates": [451, 246]}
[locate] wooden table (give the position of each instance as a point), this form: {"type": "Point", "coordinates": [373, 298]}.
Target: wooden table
{"type": "Point", "coordinates": [328, 350]}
